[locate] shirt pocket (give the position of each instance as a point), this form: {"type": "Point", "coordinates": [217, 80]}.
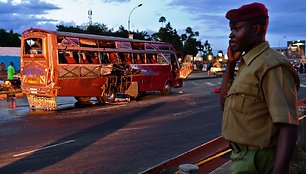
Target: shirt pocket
{"type": "Point", "coordinates": [244, 97]}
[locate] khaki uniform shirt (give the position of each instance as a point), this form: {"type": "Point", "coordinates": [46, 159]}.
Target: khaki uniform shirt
{"type": "Point", "coordinates": [264, 92]}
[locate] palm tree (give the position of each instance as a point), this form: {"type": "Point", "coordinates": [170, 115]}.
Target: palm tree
{"type": "Point", "coordinates": [162, 19]}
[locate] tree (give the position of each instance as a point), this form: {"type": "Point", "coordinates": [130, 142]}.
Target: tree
{"type": "Point", "coordinates": [74, 29]}
{"type": "Point", "coordinates": [162, 19]}
{"type": "Point", "coordinates": [9, 39]}
{"type": "Point", "coordinates": [207, 50]}
{"type": "Point", "coordinates": [190, 44]}
{"type": "Point", "coordinates": [102, 29]}
{"type": "Point", "coordinates": [99, 29]}
{"type": "Point", "coordinates": [168, 34]}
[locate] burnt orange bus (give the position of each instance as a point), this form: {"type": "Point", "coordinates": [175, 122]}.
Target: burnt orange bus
{"type": "Point", "coordinates": [57, 63]}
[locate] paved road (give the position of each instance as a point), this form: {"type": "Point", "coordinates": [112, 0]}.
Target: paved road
{"type": "Point", "coordinates": [120, 138]}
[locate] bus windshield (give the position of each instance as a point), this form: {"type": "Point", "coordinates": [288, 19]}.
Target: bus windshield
{"type": "Point", "coordinates": [33, 46]}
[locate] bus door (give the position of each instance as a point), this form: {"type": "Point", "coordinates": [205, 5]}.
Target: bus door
{"type": "Point", "coordinates": [36, 70]}
{"type": "Point", "coordinates": [171, 59]}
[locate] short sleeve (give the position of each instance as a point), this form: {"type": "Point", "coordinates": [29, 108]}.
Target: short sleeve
{"type": "Point", "coordinates": [279, 89]}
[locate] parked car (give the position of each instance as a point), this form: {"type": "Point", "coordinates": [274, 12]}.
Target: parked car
{"type": "Point", "coordinates": [218, 71]}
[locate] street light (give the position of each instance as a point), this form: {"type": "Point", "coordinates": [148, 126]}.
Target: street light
{"type": "Point", "coordinates": [129, 21]}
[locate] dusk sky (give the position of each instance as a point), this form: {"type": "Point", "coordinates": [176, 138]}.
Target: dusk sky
{"type": "Point", "coordinates": [287, 18]}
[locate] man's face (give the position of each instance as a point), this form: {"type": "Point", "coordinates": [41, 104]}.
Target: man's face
{"type": "Point", "coordinates": [240, 36]}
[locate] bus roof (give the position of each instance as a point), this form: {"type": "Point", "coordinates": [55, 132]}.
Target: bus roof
{"type": "Point", "coordinates": [91, 36]}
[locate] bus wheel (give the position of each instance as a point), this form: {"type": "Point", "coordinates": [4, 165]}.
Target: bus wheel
{"type": "Point", "coordinates": [82, 99]}
{"type": "Point", "coordinates": [109, 96]}
{"type": "Point", "coordinates": [100, 100]}
{"type": "Point", "coordinates": [167, 89]}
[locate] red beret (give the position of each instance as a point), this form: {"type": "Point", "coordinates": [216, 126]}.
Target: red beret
{"type": "Point", "coordinates": [247, 12]}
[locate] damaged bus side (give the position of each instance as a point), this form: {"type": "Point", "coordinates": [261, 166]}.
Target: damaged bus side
{"type": "Point", "coordinates": [83, 65]}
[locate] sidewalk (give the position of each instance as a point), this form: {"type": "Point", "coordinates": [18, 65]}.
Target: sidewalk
{"type": "Point", "coordinates": [224, 169]}
{"type": "Point", "coordinates": [199, 75]}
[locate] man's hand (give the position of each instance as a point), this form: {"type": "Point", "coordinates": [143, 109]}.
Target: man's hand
{"type": "Point", "coordinates": [229, 74]}
{"type": "Point", "coordinates": [233, 56]}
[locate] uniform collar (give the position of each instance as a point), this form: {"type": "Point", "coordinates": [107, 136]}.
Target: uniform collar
{"type": "Point", "coordinates": [253, 53]}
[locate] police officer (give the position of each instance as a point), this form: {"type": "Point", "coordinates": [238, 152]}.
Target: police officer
{"type": "Point", "coordinates": [259, 119]}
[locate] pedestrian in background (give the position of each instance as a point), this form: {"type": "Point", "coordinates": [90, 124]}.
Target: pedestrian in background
{"type": "Point", "coordinates": [260, 118]}
{"type": "Point", "coordinates": [2, 68]}
{"type": "Point", "coordinates": [10, 71]}
{"type": "Point", "coordinates": [301, 68]}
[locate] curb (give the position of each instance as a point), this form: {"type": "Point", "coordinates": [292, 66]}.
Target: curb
{"type": "Point", "coordinates": [201, 77]}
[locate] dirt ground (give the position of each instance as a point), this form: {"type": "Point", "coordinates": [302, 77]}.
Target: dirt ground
{"type": "Point", "coordinates": [298, 163]}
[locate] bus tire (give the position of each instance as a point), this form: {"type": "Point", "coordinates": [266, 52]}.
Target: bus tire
{"type": "Point", "coordinates": [166, 89]}
{"type": "Point", "coordinates": [100, 100]}
{"type": "Point", "coordinates": [109, 96]}
{"type": "Point", "coordinates": [82, 99]}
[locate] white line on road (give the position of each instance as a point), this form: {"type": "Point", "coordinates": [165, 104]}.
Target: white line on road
{"type": "Point", "coordinates": [194, 83]}
{"type": "Point", "coordinates": [210, 84]}
{"type": "Point", "coordinates": [47, 147]}
{"type": "Point", "coordinates": [118, 105]}
{"type": "Point", "coordinates": [301, 85]}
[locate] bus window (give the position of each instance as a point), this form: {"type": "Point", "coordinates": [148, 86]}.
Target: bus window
{"type": "Point", "coordinates": [151, 58]}
{"type": "Point", "coordinates": [33, 46]}
{"type": "Point", "coordinates": [69, 57]}
{"type": "Point", "coordinates": [161, 59]}
{"type": "Point", "coordinates": [75, 55]}
{"type": "Point", "coordinates": [137, 46]}
{"type": "Point", "coordinates": [83, 59]}
{"type": "Point", "coordinates": [138, 59]}
{"type": "Point", "coordinates": [127, 58]}
{"type": "Point", "coordinates": [95, 58]}
{"type": "Point", "coordinates": [91, 57]}
{"type": "Point", "coordinates": [114, 58]}
{"type": "Point", "coordinates": [61, 57]}
{"type": "Point", "coordinates": [121, 57]}
{"type": "Point", "coordinates": [105, 58]}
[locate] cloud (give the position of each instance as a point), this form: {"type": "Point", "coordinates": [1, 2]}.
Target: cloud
{"type": "Point", "coordinates": [30, 7]}
{"type": "Point", "coordinates": [123, 1]}
{"type": "Point", "coordinates": [287, 18]}
{"type": "Point", "coordinates": [19, 16]}
{"type": "Point", "coordinates": [21, 22]}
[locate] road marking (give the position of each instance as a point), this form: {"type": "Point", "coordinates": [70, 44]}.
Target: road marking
{"type": "Point", "coordinates": [194, 83]}
{"type": "Point", "coordinates": [47, 147]}
{"type": "Point", "coordinates": [118, 105]}
{"type": "Point", "coordinates": [210, 84]}
{"type": "Point", "coordinates": [301, 85]}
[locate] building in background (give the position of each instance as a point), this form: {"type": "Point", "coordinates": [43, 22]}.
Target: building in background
{"type": "Point", "coordinates": [296, 50]}
{"type": "Point", "coordinates": [10, 54]}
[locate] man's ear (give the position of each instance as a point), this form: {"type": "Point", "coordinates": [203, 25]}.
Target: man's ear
{"type": "Point", "coordinates": [258, 28]}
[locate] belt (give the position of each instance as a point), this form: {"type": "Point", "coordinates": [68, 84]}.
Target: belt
{"type": "Point", "coordinates": [236, 147]}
